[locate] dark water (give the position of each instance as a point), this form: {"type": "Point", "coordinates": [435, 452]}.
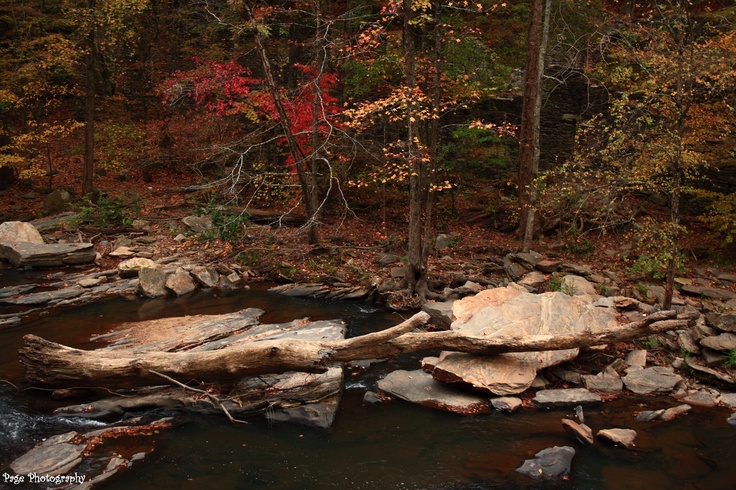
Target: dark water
{"type": "Point", "coordinates": [394, 445]}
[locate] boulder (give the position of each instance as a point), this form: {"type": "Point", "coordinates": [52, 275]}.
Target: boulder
{"type": "Point", "coordinates": [180, 282]}
{"type": "Point", "coordinates": [421, 388]}
{"type": "Point", "coordinates": [152, 283]}
{"type": "Point", "coordinates": [206, 276]}
{"type": "Point", "coordinates": [652, 380]}
{"type": "Point", "coordinates": [514, 312]}
{"type": "Point", "coordinates": [131, 267]}
{"type": "Point", "coordinates": [57, 201]}
{"type": "Point", "coordinates": [18, 231]}
{"type": "Point", "coordinates": [553, 462]}
{"type": "Point", "coordinates": [440, 313]}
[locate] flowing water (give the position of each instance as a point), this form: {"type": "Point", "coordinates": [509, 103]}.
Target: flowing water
{"type": "Point", "coordinates": [393, 445]}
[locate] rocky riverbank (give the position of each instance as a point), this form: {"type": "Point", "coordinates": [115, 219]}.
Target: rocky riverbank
{"type": "Point", "coordinates": [690, 364]}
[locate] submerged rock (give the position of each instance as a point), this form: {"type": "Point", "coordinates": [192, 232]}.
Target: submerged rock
{"type": "Point", "coordinates": [553, 462]}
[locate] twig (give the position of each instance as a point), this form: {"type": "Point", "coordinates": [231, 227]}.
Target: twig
{"type": "Point", "coordinates": [209, 395]}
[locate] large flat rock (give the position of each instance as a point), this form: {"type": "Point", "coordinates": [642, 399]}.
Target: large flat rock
{"type": "Point", "coordinates": [26, 254]}
{"type": "Point", "coordinates": [514, 312]}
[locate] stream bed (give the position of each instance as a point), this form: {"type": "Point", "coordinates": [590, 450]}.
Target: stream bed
{"type": "Point", "coordinates": [391, 445]}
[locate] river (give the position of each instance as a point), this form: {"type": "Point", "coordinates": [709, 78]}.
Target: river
{"type": "Point", "coordinates": [392, 445]}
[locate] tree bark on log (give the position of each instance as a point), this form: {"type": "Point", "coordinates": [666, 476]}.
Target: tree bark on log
{"type": "Point", "coordinates": [53, 364]}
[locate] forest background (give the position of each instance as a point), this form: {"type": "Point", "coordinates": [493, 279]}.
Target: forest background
{"type": "Point", "coordinates": [375, 126]}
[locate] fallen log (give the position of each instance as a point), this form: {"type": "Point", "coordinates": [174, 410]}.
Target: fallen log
{"type": "Point", "coordinates": [52, 364]}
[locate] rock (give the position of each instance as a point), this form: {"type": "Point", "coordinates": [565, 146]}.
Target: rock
{"type": "Point", "coordinates": [701, 398]}
{"type": "Point", "coordinates": [725, 322]}
{"type": "Point", "coordinates": [57, 201]}
{"type": "Point", "coordinates": [387, 259]}
{"type": "Point", "coordinates": [152, 283]}
{"type": "Point", "coordinates": [372, 398]}
{"type": "Point", "coordinates": [506, 403]}
{"type": "Point", "coordinates": [712, 358]}
{"type": "Point", "coordinates": [527, 259]}
{"type": "Point", "coordinates": [55, 456]}
{"type": "Point", "coordinates": [728, 399]}
{"type": "Point", "coordinates": [320, 413]}
{"type": "Point", "coordinates": [299, 290]}
{"type": "Point", "coordinates": [8, 291]}
{"type": "Point", "coordinates": [513, 311]}
{"type": "Point", "coordinates": [90, 282]}
{"type": "Point", "coordinates": [131, 267]}
{"type": "Point", "coordinates": [553, 462]}
{"type": "Point", "coordinates": [180, 282]}
{"type": "Point", "coordinates": [618, 437]}
{"type": "Point", "coordinates": [636, 359]}
{"type": "Point", "coordinates": [687, 342]}
{"type": "Point", "coordinates": [577, 270]}
{"type": "Point", "coordinates": [45, 297]}
{"type": "Point", "coordinates": [607, 381]}
{"type": "Point", "coordinates": [18, 231]}
{"type": "Point", "coordinates": [708, 292]}
{"type": "Point", "coordinates": [198, 224]}
{"type": "Point", "coordinates": [397, 272]}
{"type": "Point", "coordinates": [548, 266]}
{"type": "Point", "coordinates": [468, 288]}
{"type": "Point", "coordinates": [122, 252]}
{"type": "Point", "coordinates": [421, 388]}
{"type": "Point", "coordinates": [504, 374]}
{"type": "Point", "coordinates": [694, 364]}
{"type": "Point", "coordinates": [533, 281]}
{"type": "Point", "coordinates": [26, 254]}
{"type": "Point", "coordinates": [579, 432]}
{"type": "Point", "coordinates": [722, 342]}
{"type": "Point", "coordinates": [514, 270]}
{"type": "Point", "coordinates": [666, 415]}
{"type": "Point", "coordinates": [652, 380]}
{"type": "Point", "coordinates": [732, 419]}
{"type": "Point", "coordinates": [576, 285]}
{"type": "Point", "coordinates": [440, 313]}
{"type": "Point", "coordinates": [564, 398]}
{"type": "Point", "coordinates": [206, 276]}
{"type": "Point", "coordinates": [443, 241]}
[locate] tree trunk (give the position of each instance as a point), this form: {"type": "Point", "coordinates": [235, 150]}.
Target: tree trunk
{"type": "Point", "coordinates": [53, 364]}
{"type": "Point", "coordinates": [89, 128]}
{"type": "Point", "coordinates": [296, 153]}
{"type": "Point", "coordinates": [416, 269]}
{"type": "Point", "coordinates": [536, 46]}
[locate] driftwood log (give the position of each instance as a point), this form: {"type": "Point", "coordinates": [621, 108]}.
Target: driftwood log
{"type": "Point", "coordinates": [52, 364]}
